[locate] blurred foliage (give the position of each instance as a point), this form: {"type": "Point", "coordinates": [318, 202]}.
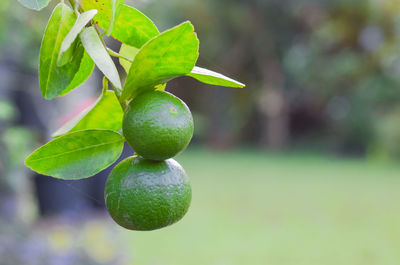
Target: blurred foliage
{"type": "Point", "coordinates": [325, 72]}
{"type": "Point", "coordinates": [21, 31]}
{"type": "Point", "coordinates": [20, 36]}
{"type": "Point", "coordinates": [336, 65]}
{"type": "Point", "coordinates": [339, 61]}
{"type": "Point", "coordinates": [61, 241]}
{"type": "Point", "coordinates": [387, 136]}
{"type": "Point", "coordinates": [15, 143]}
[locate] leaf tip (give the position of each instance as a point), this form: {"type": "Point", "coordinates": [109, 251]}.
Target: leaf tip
{"type": "Point", "coordinates": [241, 85]}
{"type": "Point", "coordinates": [27, 161]}
{"type": "Point", "coordinates": [60, 60]}
{"type": "Point", "coordinates": [46, 96]}
{"type": "Point", "coordinates": [188, 23]}
{"type": "Point", "coordinates": [92, 12]}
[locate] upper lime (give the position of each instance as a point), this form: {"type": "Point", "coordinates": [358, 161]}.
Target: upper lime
{"type": "Point", "coordinates": [158, 125]}
{"type": "Point", "coordinates": [146, 195]}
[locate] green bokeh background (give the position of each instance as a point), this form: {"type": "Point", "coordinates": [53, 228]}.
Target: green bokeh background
{"type": "Point", "coordinates": [300, 167]}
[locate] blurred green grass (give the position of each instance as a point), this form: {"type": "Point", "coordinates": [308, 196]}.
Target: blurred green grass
{"type": "Point", "coordinates": [255, 208]}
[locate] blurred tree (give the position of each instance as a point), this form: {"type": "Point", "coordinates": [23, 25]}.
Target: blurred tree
{"type": "Point", "coordinates": [317, 70]}
{"type": "Point", "coordinates": [349, 62]}
{"type": "Point", "coordinates": [322, 70]}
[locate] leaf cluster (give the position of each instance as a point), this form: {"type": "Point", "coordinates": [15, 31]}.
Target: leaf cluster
{"type": "Point", "coordinates": [72, 45]}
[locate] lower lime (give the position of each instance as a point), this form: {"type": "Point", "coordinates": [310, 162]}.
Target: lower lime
{"type": "Point", "coordinates": [146, 195]}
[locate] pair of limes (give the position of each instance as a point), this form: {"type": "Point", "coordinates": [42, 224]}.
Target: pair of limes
{"type": "Point", "coordinates": [151, 190]}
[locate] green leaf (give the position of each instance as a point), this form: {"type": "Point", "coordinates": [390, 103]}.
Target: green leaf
{"type": "Point", "coordinates": [171, 54]}
{"type": "Point", "coordinates": [130, 52]}
{"type": "Point", "coordinates": [105, 113]}
{"type": "Point", "coordinates": [35, 4]}
{"type": "Point", "coordinates": [67, 44]}
{"type": "Point", "coordinates": [86, 68]}
{"type": "Point", "coordinates": [66, 56]}
{"type": "Point", "coordinates": [116, 8]}
{"type": "Point", "coordinates": [96, 50]}
{"type": "Point", "coordinates": [132, 27]}
{"type": "Point", "coordinates": [54, 80]}
{"type": "Point", "coordinates": [77, 155]}
{"type": "Point", "coordinates": [213, 78]}
{"type": "Point", "coordinates": [127, 51]}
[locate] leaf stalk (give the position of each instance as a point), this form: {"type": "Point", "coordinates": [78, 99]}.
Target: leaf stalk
{"type": "Point", "coordinates": [118, 93]}
{"type": "Point", "coordinates": [115, 54]}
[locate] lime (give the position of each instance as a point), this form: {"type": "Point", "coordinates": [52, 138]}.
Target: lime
{"type": "Point", "coordinates": [145, 195]}
{"type": "Point", "coordinates": [158, 125]}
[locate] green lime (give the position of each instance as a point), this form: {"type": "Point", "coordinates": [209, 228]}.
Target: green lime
{"type": "Point", "coordinates": [145, 195]}
{"type": "Point", "coordinates": [158, 125]}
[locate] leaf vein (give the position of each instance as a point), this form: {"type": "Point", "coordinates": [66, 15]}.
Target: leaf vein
{"type": "Point", "coordinates": [73, 151]}
{"type": "Point", "coordinates": [53, 51]}
{"type": "Point", "coordinates": [158, 62]}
